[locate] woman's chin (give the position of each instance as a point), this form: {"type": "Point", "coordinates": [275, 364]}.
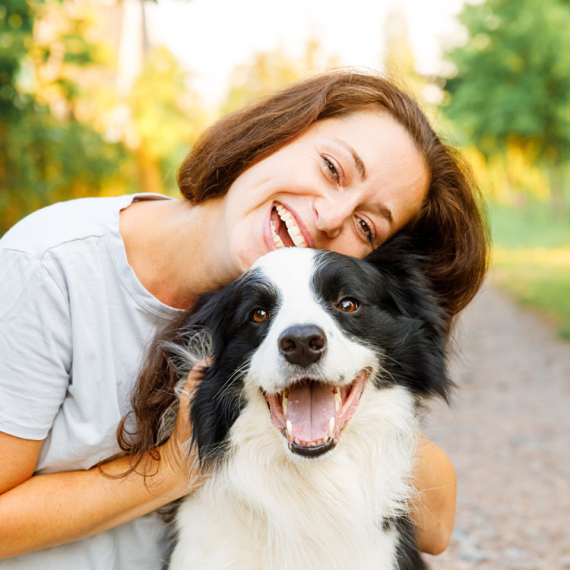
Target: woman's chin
{"type": "Point", "coordinates": [247, 257]}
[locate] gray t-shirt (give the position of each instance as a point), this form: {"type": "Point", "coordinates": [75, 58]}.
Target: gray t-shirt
{"type": "Point", "coordinates": [74, 323]}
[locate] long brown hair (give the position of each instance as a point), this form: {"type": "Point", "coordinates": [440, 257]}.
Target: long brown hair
{"type": "Point", "coordinates": [450, 229]}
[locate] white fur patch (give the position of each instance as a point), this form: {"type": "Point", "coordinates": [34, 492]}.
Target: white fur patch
{"type": "Point", "coordinates": [267, 509]}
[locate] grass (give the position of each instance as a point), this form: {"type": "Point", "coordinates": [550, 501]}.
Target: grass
{"type": "Point", "coordinates": [534, 226]}
{"type": "Point", "coordinates": [531, 259]}
{"type": "Point", "coordinates": [539, 279]}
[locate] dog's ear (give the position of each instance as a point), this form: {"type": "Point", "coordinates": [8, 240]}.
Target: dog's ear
{"type": "Point", "coordinates": [421, 361]}
{"type": "Point", "coordinates": [212, 310]}
{"type": "Point", "coordinates": [401, 265]}
{"type": "Point", "coordinates": [217, 400]}
{"type": "Point", "coordinates": [203, 312]}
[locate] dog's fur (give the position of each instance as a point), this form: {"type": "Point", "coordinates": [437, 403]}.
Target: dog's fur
{"type": "Point", "coordinates": [274, 502]}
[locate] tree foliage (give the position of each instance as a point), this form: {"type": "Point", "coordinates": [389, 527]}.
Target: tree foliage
{"type": "Point", "coordinates": [46, 154]}
{"type": "Point", "coordinates": [512, 82]}
{"type": "Point", "coordinates": [66, 129]}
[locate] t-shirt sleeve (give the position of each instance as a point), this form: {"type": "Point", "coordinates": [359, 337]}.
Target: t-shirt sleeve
{"type": "Point", "coordinates": [35, 346]}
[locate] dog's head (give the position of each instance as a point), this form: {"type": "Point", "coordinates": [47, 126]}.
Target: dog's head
{"type": "Point", "coordinates": [309, 330]}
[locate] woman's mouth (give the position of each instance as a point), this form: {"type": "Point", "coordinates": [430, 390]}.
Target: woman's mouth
{"type": "Point", "coordinates": [285, 229]}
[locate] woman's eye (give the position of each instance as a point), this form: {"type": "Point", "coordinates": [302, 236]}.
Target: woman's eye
{"type": "Point", "coordinates": [332, 169]}
{"type": "Point", "coordinates": [367, 230]}
{"type": "Point", "coordinates": [348, 305]}
{"type": "Point", "coordinates": [259, 315]}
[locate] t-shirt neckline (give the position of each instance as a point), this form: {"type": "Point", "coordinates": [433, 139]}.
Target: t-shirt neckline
{"type": "Point", "coordinates": [116, 245]}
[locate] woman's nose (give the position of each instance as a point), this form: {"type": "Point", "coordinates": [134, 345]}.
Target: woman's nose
{"type": "Point", "coordinates": [332, 214]}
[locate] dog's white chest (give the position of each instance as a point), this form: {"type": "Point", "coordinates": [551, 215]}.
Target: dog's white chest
{"type": "Point", "coordinates": [263, 510]}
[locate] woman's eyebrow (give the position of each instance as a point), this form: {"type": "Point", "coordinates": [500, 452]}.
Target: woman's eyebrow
{"type": "Point", "coordinates": [385, 213]}
{"type": "Point", "coordinates": [356, 157]}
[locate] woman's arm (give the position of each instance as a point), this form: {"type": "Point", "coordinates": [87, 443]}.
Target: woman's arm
{"type": "Point", "coordinates": [48, 510]}
{"type": "Point", "coordinates": [433, 509]}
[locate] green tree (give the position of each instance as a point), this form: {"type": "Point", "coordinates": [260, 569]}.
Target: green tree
{"type": "Point", "coordinates": [44, 157]}
{"type": "Point", "coordinates": [512, 86]}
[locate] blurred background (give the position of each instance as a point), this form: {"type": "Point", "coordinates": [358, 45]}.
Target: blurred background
{"type": "Point", "coordinates": [105, 97]}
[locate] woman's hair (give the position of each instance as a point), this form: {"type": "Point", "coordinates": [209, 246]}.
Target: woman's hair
{"type": "Point", "coordinates": [450, 229]}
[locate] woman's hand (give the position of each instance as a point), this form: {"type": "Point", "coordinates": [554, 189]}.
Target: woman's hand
{"type": "Point", "coordinates": [433, 509]}
{"type": "Point", "coordinates": [176, 451]}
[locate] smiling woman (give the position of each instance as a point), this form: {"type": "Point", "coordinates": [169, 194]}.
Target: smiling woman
{"type": "Point", "coordinates": [342, 161]}
{"type": "Point", "coordinates": [346, 150]}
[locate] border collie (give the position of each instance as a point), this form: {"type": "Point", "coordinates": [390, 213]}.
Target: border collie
{"type": "Point", "coordinates": [307, 420]}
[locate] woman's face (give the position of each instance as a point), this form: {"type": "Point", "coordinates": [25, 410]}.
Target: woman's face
{"type": "Point", "coordinates": [345, 185]}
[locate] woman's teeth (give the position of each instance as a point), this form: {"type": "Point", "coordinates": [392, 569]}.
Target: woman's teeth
{"type": "Point", "coordinates": [292, 229]}
{"type": "Point", "coordinates": [276, 239]}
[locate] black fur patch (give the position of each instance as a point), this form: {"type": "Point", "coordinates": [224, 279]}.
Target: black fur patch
{"type": "Point", "coordinates": [227, 316]}
{"type": "Point", "coordinates": [407, 553]}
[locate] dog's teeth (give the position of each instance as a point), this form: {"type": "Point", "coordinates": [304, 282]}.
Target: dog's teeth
{"type": "Point", "coordinates": [285, 404]}
{"type": "Point", "coordinates": [331, 428]}
{"type": "Point", "coordinates": [290, 429]}
{"type": "Point", "coordinates": [337, 400]}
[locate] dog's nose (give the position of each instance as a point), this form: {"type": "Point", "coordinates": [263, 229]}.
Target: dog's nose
{"type": "Point", "coordinates": [302, 344]}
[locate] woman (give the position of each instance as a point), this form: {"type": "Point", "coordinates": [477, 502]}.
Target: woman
{"type": "Point", "coordinates": [351, 159]}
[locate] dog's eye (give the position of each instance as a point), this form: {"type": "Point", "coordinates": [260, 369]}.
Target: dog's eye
{"type": "Point", "coordinates": [348, 305]}
{"type": "Point", "coordinates": [259, 315]}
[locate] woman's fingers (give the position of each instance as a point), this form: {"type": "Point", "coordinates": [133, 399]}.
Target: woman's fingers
{"type": "Point", "coordinates": [176, 451]}
{"type": "Point", "coordinates": [192, 381]}
{"type": "Point", "coordinates": [183, 426]}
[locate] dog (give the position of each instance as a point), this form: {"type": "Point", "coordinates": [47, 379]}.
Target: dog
{"type": "Point", "coordinates": [306, 421]}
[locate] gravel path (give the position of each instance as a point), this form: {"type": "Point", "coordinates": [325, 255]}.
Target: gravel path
{"type": "Point", "coordinates": [508, 435]}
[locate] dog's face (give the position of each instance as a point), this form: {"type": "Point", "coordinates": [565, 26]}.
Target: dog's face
{"type": "Point", "coordinates": [309, 330]}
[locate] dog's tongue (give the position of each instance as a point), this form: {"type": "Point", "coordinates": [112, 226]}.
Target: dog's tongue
{"type": "Point", "coordinates": [310, 409]}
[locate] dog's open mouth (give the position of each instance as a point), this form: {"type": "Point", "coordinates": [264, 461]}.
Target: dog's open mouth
{"type": "Point", "coordinates": [311, 414]}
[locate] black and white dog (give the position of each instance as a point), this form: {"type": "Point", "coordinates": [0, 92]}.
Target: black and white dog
{"type": "Point", "coordinates": [307, 419]}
